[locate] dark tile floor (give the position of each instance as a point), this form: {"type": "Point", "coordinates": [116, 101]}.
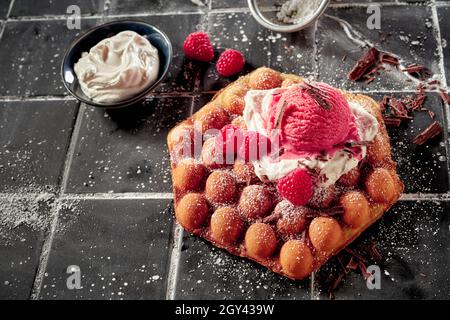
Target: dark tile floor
{"type": "Point", "coordinates": [83, 187]}
{"type": "Point", "coordinates": [34, 138]}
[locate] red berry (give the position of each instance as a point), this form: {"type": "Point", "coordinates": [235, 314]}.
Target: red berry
{"type": "Point", "coordinates": [254, 146]}
{"type": "Point", "coordinates": [296, 187]}
{"type": "Point", "coordinates": [197, 46]}
{"type": "Point", "coordinates": [229, 139]}
{"type": "Point", "coordinates": [230, 62]}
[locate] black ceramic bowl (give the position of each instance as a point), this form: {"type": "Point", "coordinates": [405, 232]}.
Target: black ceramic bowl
{"type": "Point", "coordinates": [89, 39]}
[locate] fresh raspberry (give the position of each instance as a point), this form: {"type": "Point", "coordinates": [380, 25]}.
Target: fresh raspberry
{"type": "Point", "coordinates": [230, 62]}
{"type": "Point", "coordinates": [229, 140]}
{"type": "Point", "coordinates": [197, 46]}
{"type": "Point", "coordinates": [254, 146]}
{"type": "Point", "coordinates": [296, 187]}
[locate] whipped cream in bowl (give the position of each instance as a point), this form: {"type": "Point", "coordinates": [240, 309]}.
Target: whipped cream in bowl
{"type": "Point", "coordinates": [116, 64]}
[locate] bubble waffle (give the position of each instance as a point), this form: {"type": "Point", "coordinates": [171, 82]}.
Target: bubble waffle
{"type": "Point", "coordinates": [230, 207]}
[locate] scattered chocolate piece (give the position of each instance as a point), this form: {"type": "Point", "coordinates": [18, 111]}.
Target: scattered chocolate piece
{"type": "Point", "coordinates": [389, 59]}
{"type": "Point", "coordinates": [392, 122]}
{"type": "Point", "coordinates": [352, 264]}
{"type": "Point", "coordinates": [432, 131]}
{"type": "Point", "coordinates": [445, 97]}
{"type": "Point", "coordinates": [418, 71]}
{"type": "Point", "coordinates": [399, 109]}
{"type": "Point", "coordinates": [353, 253]}
{"type": "Point", "coordinates": [376, 255]}
{"type": "Point", "coordinates": [318, 95]}
{"type": "Point", "coordinates": [368, 60]}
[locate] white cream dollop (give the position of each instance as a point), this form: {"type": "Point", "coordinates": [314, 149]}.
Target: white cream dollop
{"type": "Point", "coordinates": [331, 166]}
{"type": "Point", "coordinates": [118, 67]}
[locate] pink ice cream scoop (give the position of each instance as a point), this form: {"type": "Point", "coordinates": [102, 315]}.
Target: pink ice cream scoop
{"type": "Point", "coordinates": [310, 117]}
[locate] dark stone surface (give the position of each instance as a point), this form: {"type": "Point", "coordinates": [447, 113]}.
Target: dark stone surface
{"type": "Point", "coordinates": [34, 137]}
{"type": "Point", "coordinates": [123, 243]}
{"type": "Point", "coordinates": [220, 4]}
{"type": "Point", "coordinates": [444, 24]}
{"type": "Point", "coordinates": [407, 33]}
{"type": "Point", "coordinates": [422, 168]}
{"type": "Point", "coordinates": [24, 222]}
{"type": "Point", "coordinates": [31, 66]}
{"type": "Point", "coordinates": [413, 240]}
{"type": "Point", "coordinates": [4, 7]}
{"type": "Point", "coordinates": [154, 6]}
{"type": "Point", "coordinates": [121, 247]}
{"type": "Point", "coordinates": [206, 272]}
{"type": "Point", "coordinates": [125, 150]}
{"type": "Point", "coordinates": [23, 8]}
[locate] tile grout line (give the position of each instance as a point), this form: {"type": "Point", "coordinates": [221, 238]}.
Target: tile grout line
{"type": "Point", "coordinates": [312, 286]}
{"type": "Point", "coordinates": [46, 247]}
{"type": "Point", "coordinates": [438, 36]}
{"type": "Point", "coordinates": [118, 196]}
{"type": "Point", "coordinates": [44, 255]}
{"type": "Point", "coordinates": [190, 94]}
{"type": "Point", "coordinates": [316, 50]}
{"type": "Point", "coordinates": [169, 196]}
{"type": "Point", "coordinates": [174, 262]}
{"type": "Point", "coordinates": [213, 11]}
{"type": "Point", "coordinates": [186, 94]}
{"type": "Point", "coordinates": [71, 149]}
{"type": "Point", "coordinates": [11, 5]}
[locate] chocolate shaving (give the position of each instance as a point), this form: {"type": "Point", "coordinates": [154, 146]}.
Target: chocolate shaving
{"type": "Point", "coordinates": [271, 218]}
{"type": "Point", "coordinates": [353, 253]}
{"type": "Point", "coordinates": [389, 59]}
{"type": "Point", "coordinates": [445, 97]}
{"type": "Point", "coordinates": [368, 60]}
{"type": "Point", "coordinates": [363, 269]}
{"type": "Point", "coordinates": [392, 122]}
{"type": "Point", "coordinates": [399, 108]}
{"type": "Point", "coordinates": [320, 96]}
{"type": "Point", "coordinates": [352, 264]}
{"type": "Point", "coordinates": [418, 71]}
{"type": "Point", "coordinates": [432, 131]}
{"type": "Point", "coordinates": [373, 250]}
{"type": "Point", "coordinates": [280, 114]}
{"type": "Point", "coordinates": [334, 211]}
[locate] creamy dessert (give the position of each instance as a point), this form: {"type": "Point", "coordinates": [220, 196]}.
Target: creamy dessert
{"type": "Point", "coordinates": [326, 140]}
{"type": "Point", "coordinates": [310, 170]}
{"type": "Point", "coordinates": [118, 67]}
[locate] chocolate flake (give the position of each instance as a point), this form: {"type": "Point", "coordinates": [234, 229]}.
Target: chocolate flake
{"type": "Point", "coordinates": [320, 96]}
{"type": "Point", "coordinates": [430, 132]}
{"type": "Point", "coordinates": [368, 60]}
{"type": "Point", "coordinates": [392, 122]}
{"type": "Point", "coordinates": [352, 264]}
{"type": "Point", "coordinates": [389, 59]}
{"type": "Point", "coordinates": [418, 71]}
{"type": "Point", "coordinates": [353, 253]}
{"type": "Point", "coordinates": [445, 97]}
{"type": "Point", "coordinates": [376, 256]}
